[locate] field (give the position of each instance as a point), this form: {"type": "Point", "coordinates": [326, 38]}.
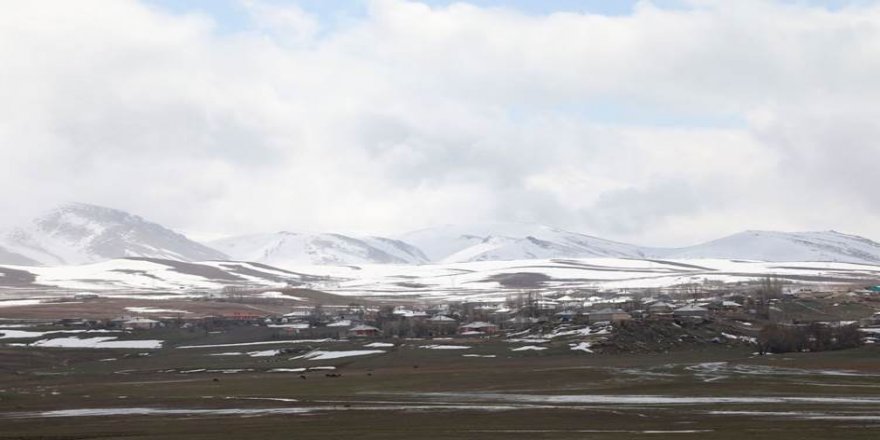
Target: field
{"type": "Point", "coordinates": [482, 389]}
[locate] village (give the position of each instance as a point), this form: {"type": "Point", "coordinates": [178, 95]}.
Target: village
{"type": "Point", "coordinates": [272, 356]}
{"type": "Point", "coordinates": [741, 312]}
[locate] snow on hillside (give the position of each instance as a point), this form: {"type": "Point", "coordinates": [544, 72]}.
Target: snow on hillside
{"type": "Point", "coordinates": [78, 233]}
{"type": "Point", "coordinates": [288, 248]}
{"type": "Point", "coordinates": [154, 274]}
{"type": "Point", "coordinates": [785, 246]}
{"type": "Point", "coordinates": [486, 279]}
{"type": "Point", "coordinates": [512, 241]}
{"type": "Point", "coordinates": [8, 257]}
{"type": "Point", "coordinates": [474, 280]}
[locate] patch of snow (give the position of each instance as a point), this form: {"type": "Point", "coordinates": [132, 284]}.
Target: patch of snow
{"type": "Point", "coordinates": [264, 353]}
{"type": "Point", "coordinates": [379, 345]}
{"type": "Point", "coordinates": [242, 344]}
{"type": "Point", "coordinates": [321, 355]}
{"type": "Point", "coordinates": [445, 347]}
{"type": "Point", "coordinates": [583, 346]}
{"type": "Point", "coordinates": [528, 348]}
{"type": "Point", "coordinates": [19, 302]}
{"type": "Point", "coordinates": [153, 310]}
{"type": "Point", "coordinates": [97, 342]}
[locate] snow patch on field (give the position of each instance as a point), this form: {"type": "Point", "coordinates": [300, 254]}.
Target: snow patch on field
{"type": "Point", "coordinates": [280, 295]}
{"type": "Point", "coordinates": [320, 355]}
{"type": "Point", "coordinates": [264, 353]}
{"type": "Point", "coordinates": [528, 348]}
{"type": "Point", "coordinates": [583, 346]}
{"type": "Point", "coordinates": [446, 347]}
{"type": "Point", "coordinates": [243, 344]}
{"type": "Point", "coordinates": [19, 302]}
{"type": "Point", "coordinates": [153, 310]}
{"type": "Point", "coordinates": [20, 334]}
{"type": "Point", "coordinates": [25, 334]}
{"type": "Point", "coordinates": [97, 342]}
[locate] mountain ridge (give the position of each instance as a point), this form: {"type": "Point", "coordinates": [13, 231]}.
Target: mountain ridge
{"type": "Point", "coordinates": [78, 233]}
{"type": "Point", "coordinates": [292, 248]}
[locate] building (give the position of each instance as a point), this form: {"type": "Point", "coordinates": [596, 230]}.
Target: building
{"type": "Point", "coordinates": [442, 320]}
{"type": "Point", "coordinates": [691, 311]}
{"type": "Point", "coordinates": [140, 323]}
{"type": "Point", "coordinates": [659, 308]}
{"type": "Point", "coordinates": [363, 331]}
{"type": "Point", "coordinates": [731, 306]}
{"type": "Point", "coordinates": [242, 315]}
{"type": "Point", "coordinates": [566, 315]}
{"type": "Point", "coordinates": [340, 323]}
{"type": "Point", "coordinates": [609, 315]}
{"type": "Point", "coordinates": [442, 325]}
{"type": "Point", "coordinates": [478, 328]}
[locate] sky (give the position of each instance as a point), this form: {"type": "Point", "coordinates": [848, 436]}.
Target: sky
{"type": "Point", "coordinates": [664, 122]}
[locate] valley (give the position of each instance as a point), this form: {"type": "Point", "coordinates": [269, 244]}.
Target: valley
{"type": "Point", "coordinates": [110, 323]}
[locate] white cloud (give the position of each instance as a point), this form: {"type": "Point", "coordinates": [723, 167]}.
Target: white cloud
{"type": "Point", "coordinates": [662, 127]}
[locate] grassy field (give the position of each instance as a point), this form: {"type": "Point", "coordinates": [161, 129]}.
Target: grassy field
{"type": "Point", "coordinates": [414, 392]}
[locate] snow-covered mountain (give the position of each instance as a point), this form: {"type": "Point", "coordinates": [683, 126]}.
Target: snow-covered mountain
{"type": "Point", "coordinates": [78, 233]}
{"type": "Point", "coordinates": [518, 241]}
{"type": "Point", "coordinates": [288, 248]}
{"type": "Point", "coordinates": [512, 241]}
{"type": "Point", "coordinates": [783, 246]}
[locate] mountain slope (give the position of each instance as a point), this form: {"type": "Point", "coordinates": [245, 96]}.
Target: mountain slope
{"type": "Point", "coordinates": [78, 233]}
{"type": "Point", "coordinates": [141, 273]}
{"type": "Point", "coordinates": [784, 246]}
{"type": "Point", "coordinates": [288, 248]}
{"type": "Point", "coordinates": [9, 257]}
{"type": "Point", "coordinates": [513, 241]}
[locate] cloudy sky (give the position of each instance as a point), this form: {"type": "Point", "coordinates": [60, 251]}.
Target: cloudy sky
{"type": "Point", "coordinates": [656, 122]}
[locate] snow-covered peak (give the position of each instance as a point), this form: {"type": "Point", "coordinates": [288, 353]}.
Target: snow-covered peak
{"type": "Point", "coordinates": [512, 241]}
{"type": "Point", "coordinates": [77, 233]}
{"type": "Point", "coordinates": [289, 248]}
{"type": "Point", "coordinates": [785, 246]}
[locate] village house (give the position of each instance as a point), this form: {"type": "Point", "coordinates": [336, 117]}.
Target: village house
{"type": "Point", "coordinates": [691, 312]}
{"type": "Point", "coordinates": [609, 315]}
{"type": "Point", "coordinates": [478, 328]}
{"type": "Point", "coordinates": [340, 323]}
{"type": "Point", "coordinates": [728, 306]}
{"type": "Point", "coordinates": [140, 323]}
{"type": "Point", "coordinates": [363, 331]}
{"type": "Point", "coordinates": [522, 321]}
{"type": "Point", "coordinates": [659, 308]}
{"type": "Point", "coordinates": [566, 315]}
{"type": "Point", "coordinates": [567, 301]}
{"type": "Point", "coordinates": [442, 320]}
{"type": "Point", "coordinates": [442, 325]}
{"type": "Point", "coordinates": [546, 304]}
